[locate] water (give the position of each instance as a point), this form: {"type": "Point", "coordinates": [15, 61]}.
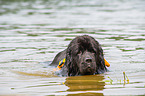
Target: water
{"type": "Point", "coordinates": [34, 31]}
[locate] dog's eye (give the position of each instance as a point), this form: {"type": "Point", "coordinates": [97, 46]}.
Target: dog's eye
{"type": "Point", "coordinates": [93, 53]}
{"type": "Point", "coordinates": [79, 52]}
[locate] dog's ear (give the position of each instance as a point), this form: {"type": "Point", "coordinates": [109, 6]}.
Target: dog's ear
{"type": "Point", "coordinates": [68, 63]}
{"type": "Point", "coordinates": [100, 60]}
{"type": "Point", "coordinates": [71, 63]}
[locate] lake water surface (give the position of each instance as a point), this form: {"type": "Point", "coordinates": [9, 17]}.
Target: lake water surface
{"type": "Point", "coordinates": [34, 31]}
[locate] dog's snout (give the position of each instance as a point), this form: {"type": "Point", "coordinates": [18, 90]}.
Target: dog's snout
{"type": "Point", "coordinates": [88, 60]}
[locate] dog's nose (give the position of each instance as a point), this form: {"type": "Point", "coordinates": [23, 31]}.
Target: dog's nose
{"type": "Point", "coordinates": [88, 60]}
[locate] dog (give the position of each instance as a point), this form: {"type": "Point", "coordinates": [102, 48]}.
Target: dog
{"type": "Point", "coordinates": [83, 56]}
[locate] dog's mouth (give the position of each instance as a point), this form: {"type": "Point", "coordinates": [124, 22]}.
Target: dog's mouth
{"type": "Point", "coordinates": [87, 71]}
{"type": "Point", "coordinates": [87, 68]}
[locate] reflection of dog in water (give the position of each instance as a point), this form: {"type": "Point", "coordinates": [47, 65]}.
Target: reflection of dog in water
{"type": "Point", "coordinates": [92, 85]}
{"type": "Point", "coordinates": [84, 56]}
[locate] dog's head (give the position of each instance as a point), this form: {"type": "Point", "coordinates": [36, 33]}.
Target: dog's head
{"type": "Point", "coordinates": [84, 56]}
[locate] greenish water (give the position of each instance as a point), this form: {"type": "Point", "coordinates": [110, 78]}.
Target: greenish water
{"type": "Point", "coordinates": [34, 31]}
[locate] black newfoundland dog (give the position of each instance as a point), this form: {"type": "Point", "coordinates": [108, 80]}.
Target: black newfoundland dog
{"type": "Point", "coordinates": [83, 56]}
